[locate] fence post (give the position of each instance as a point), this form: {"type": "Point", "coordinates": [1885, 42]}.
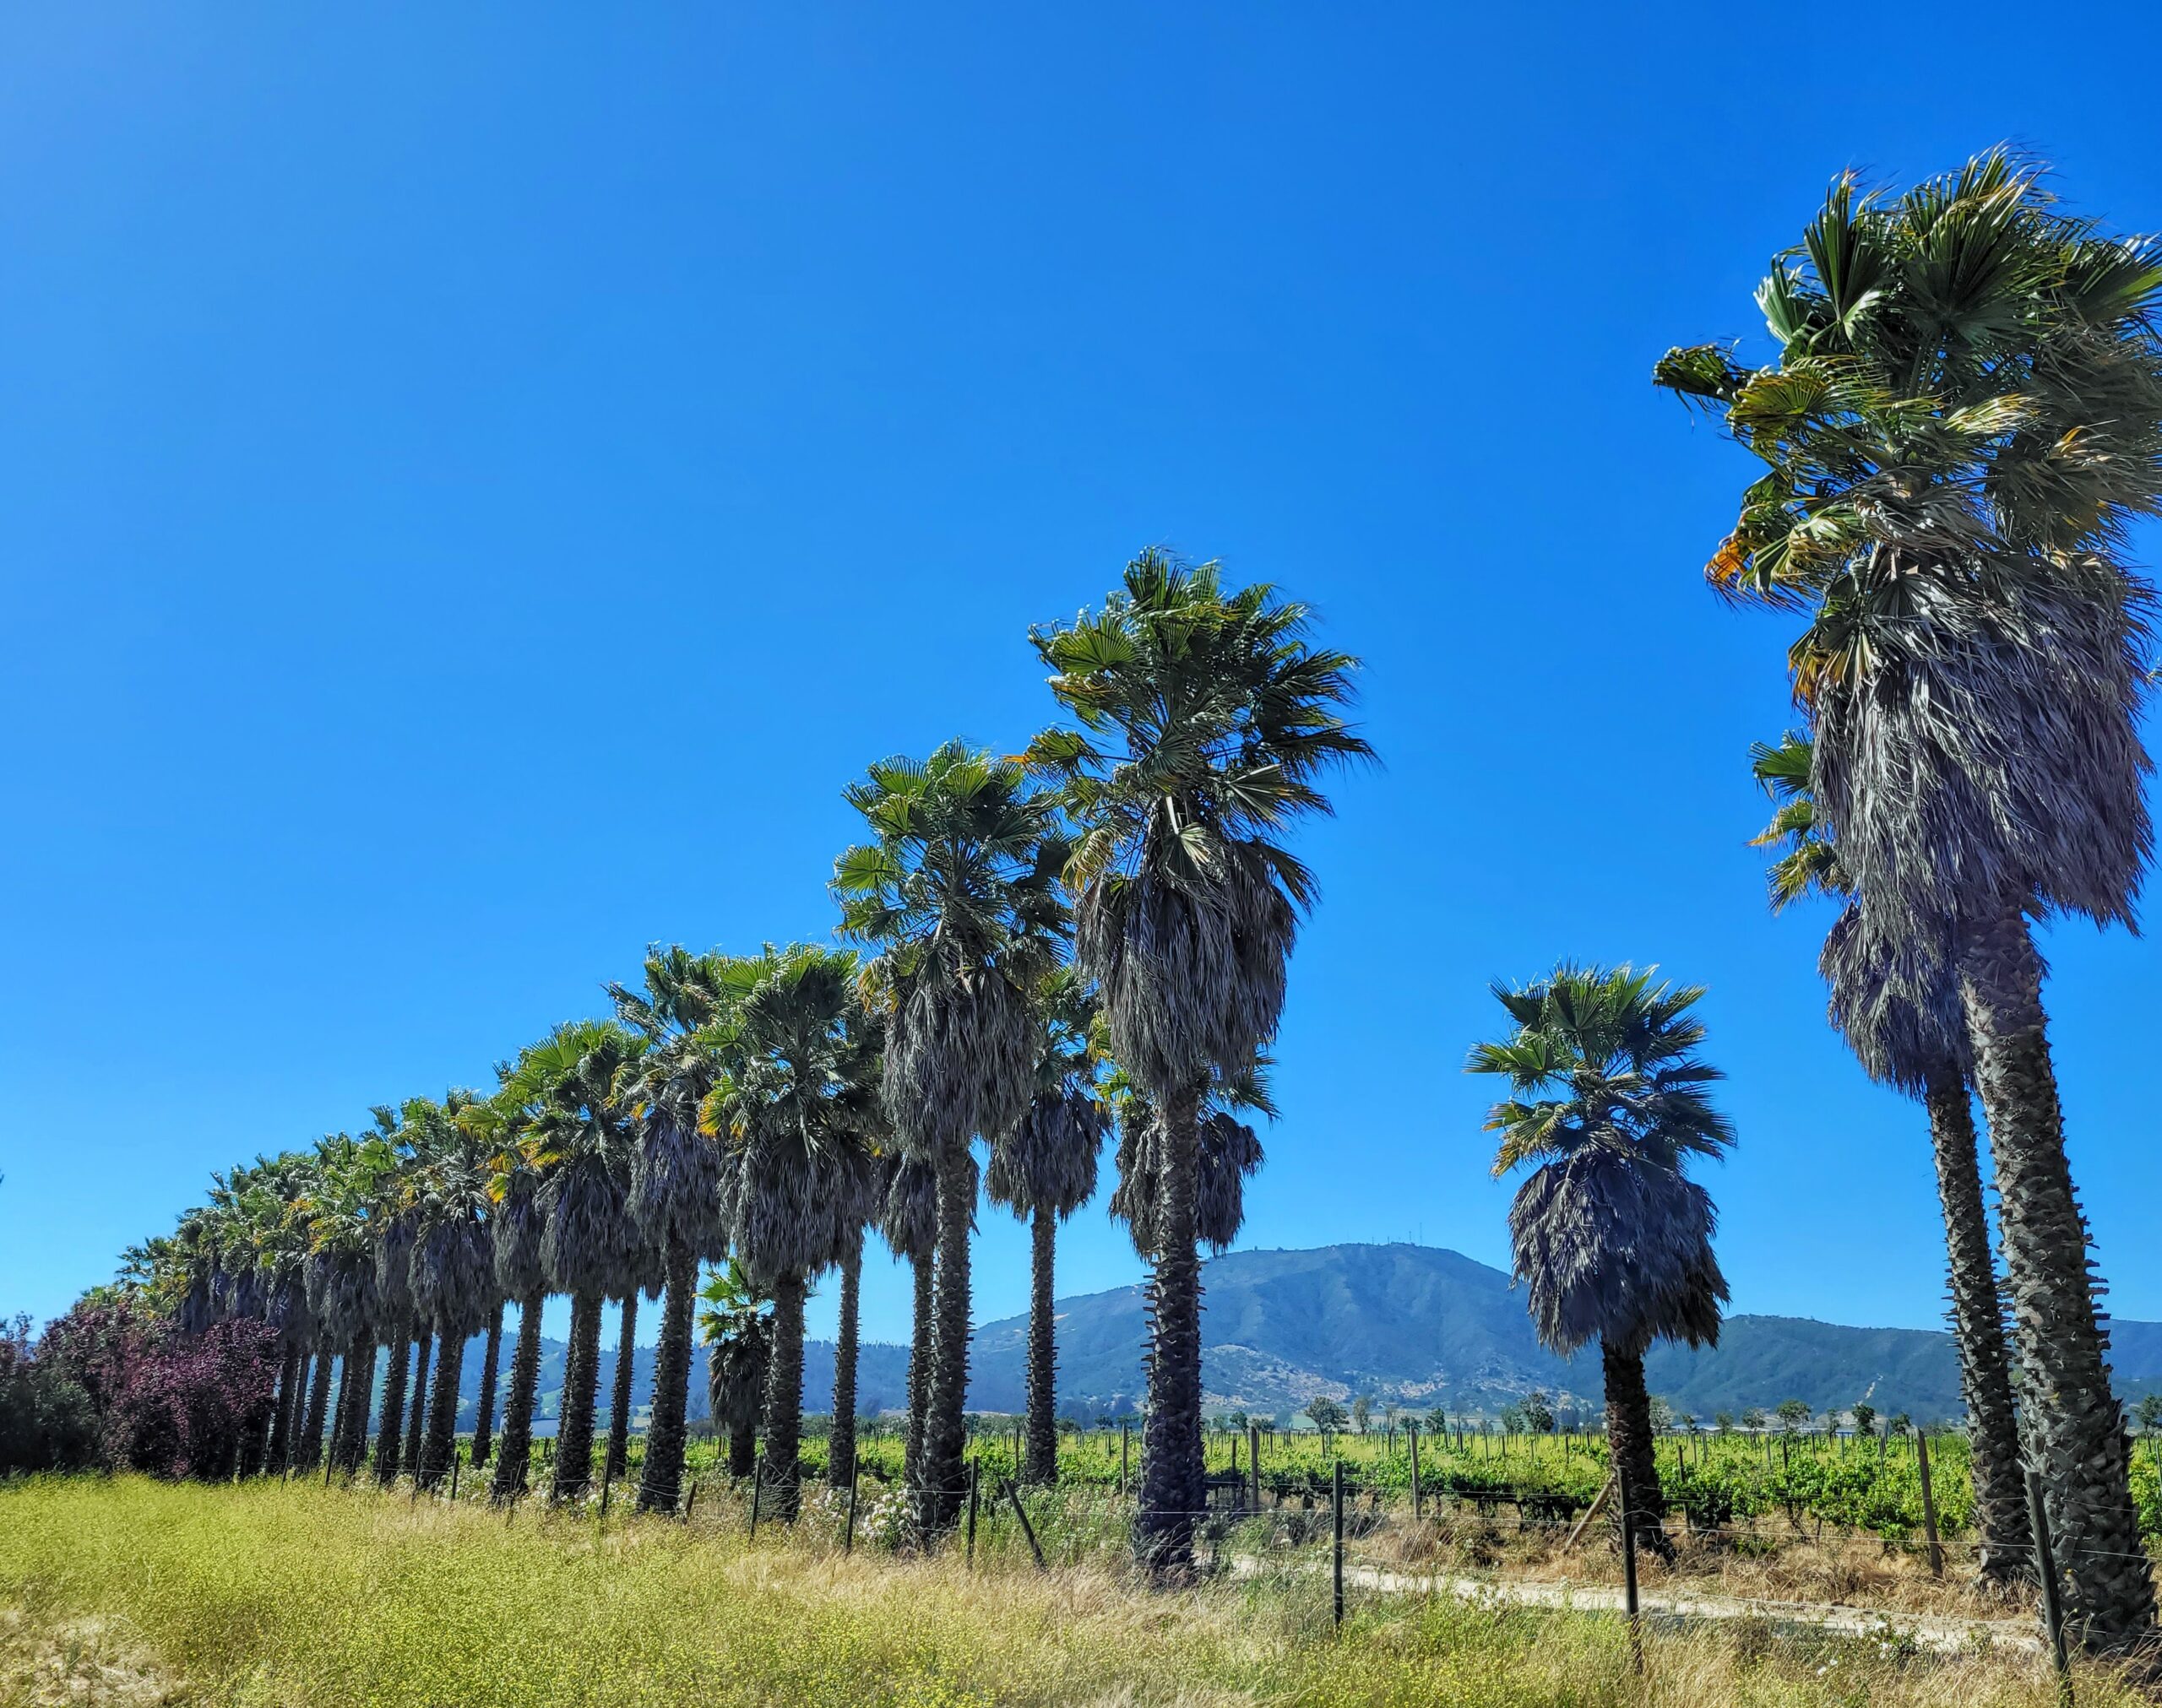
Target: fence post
{"type": "Point", "coordinates": [855, 1480]}
{"type": "Point", "coordinates": [1027, 1529]}
{"type": "Point", "coordinates": [1629, 1562]}
{"type": "Point", "coordinates": [454, 1479]}
{"type": "Point", "coordinates": [975, 1480]}
{"type": "Point", "coordinates": [1253, 1461]}
{"type": "Point", "coordinates": [1336, 1546]}
{"type": "Point", "coordinates": [758, 1483]}
{"type": "Point", "coordinates": [1929, 1508]}
{"type": "Point", "coordinates": [2045, 1564]}
{"type": "Point", "coordinates": [690, 1500]}
{"type": "Point", "coordinates": [1123, 1431]}
{"type": "Point", "coordinates": [1411, 1434]}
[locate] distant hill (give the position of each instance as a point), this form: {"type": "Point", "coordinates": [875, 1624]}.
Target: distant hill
{"type": "Point", "coordinates": [1414, 1324]}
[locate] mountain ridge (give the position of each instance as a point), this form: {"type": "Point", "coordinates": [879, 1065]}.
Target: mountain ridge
{"type": "Point", "coordinates": [1417, 1325]}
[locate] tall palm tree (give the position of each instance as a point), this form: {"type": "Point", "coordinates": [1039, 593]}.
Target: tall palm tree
{"type": "Point", "coordinates": [1205, 721]}
{"type": "Point", "coordinates": [452, 1278]}
{"type": "Point", "coordinates": [579, 1141]}
{"type": "Point", "coordinates": [1043, 1171]}
{"type": "Point", "coordinates": [1610, 1237]}
{"type": "Point", "coordinates": [393, 1227]}
{"type": "Point", "coordinates": [1964, 414]}
{"type": "Point", "coordinates": [737, 1327]}
{"type": "Point", "coordinates": [341, 1278]}
{"type": "Point", "coordinates": [960, 892]}
{"type": "Point", "coordinates": [797, 1107]}
{"type": "Point", "coordinates": [484, 1414]}
{"type": "Point", "coordinates": [676, 1179]}
{"type": "Point", "coordinates": [1897, 1005]}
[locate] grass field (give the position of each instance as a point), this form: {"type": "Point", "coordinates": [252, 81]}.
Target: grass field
{"type": "Point", "coordinates": [124, 1590]}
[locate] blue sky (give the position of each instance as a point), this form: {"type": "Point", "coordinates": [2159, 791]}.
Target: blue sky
{"type": "Point", "coordinates": [474, 483]}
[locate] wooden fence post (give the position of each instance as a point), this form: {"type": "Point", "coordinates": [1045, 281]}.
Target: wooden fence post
{"type": "Point", "coordinates": [1411, 1435]}
{"type": "Point", "coordinates": [2045, 1565]}
{"type": "Point", "coordinates": [1027, 1529]}
{"type": "Point", "coordinates": [1929, 1508]}
{"type": "Point", "coordinates": [855, 1479]}
{"type": "Point", "coordinates": [1336, 1547]}
{"type": "Point", "coordinates": [1122, 1436]}
{"type": "Point", "coordinates": [1253, 1461]}
{"type": "Point", "coordinates": [758, 1483]}
{"type": "Point", "coordinates": [974, 1478]}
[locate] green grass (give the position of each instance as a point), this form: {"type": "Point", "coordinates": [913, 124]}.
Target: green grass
{"type": "Point", "coordinates": [267, 1594]}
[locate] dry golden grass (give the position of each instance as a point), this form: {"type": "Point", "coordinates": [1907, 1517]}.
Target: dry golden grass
{"type": "Point", "coordinates": [272, 1595]}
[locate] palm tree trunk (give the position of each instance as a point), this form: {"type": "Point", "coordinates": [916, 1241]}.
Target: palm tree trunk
{"type": "Point", "coordinates": [920, 1359]}
{"type": "Point", "coordinates": [1629, 1447]}
{"type": "Point", "coordinates": [574, 1421]}
{"type": "Point", "coordinates": [742, 1450]}
{"type": "Point", "coordinates": [416, 1412]}
{"type": "Point", "coordinates": [1043, 1351]}
{"type": "Point", "coordinates": [389, 1437]}
{"type": "Point", "coordinates": [356, 1381]}
{"type": "Point", "coordinates": [619, 1414]}
{"type": "Point", "coordinates": [840, 1438]}
{"type": "Point", "coordinates": [938, 1498]}
{"type": "Point", "coordinates": [1173, 1484]}
{"type": "Point", "coordinates": [282, 1421]}
{"type": "Point", "coordinates": [2074, 1428]}
{"type": "Point", "coordinates": [308, 1451]}
{"type": "Point", "coordinates": [661, 1488]}
{"type": "Point", "coordinates": [439, 1445]}
{"type": "Point", "coordinates": [486, 1416]}
{"type": "Point", "coordinates": [784, 1398]}
{"type": "Point", "coordinates": [514, 1455]}
{"type": "Point", "coordinates": [1978, 1326]}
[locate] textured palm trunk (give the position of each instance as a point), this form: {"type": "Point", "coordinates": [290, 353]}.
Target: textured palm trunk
{"type": "Point", "coordinates": [1042, 1464]}
{"type": "Point", "coordinates": [390, 1428]}
{"type": "Point", "coordinates": [840, 1441]}
{"type": "Point", "coordinates": [1978, 1326]}
{"type": "Point", "coordinates": [619, 1410]}
{"type": "Point", "coordinates": [251, 1442]}
{"type": "Point", "coordinates": [785, 1400]}
{"type": "Point", "coordinates": [484, 1419]}
{"type": "Point", "coordinates": [440, 1442]}
{"type": "Point", "coordinates": [661, 1488]}
{"type": "Point", "coordinates": [1172, 1473]}
{"type": "Point", "coordinates": [416, 1411]}
{"type": "Point", "coordinates": [939, 1495]}
{"type": "Point", "coordinates": [356, 1384]}
{"type": "Point", "coordinates": [920, 1357]}
{"type": "Point", "coordinates": [2074, 1430]}
{"type": "Point", "coordinates": [742, 1450]}
{"type": "Point", "coordinates": [308, 1451]}
{"type": "Point", "coordinates": [514, 1455]}
{"type": "Point", "coordinates": [574, 1424]}
{"type": "Point", "coordinates": [289, 1398]}
{"type": "Point", "coordinates": [1629, 1445]}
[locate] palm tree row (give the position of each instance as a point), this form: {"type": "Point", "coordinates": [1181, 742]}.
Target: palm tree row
{"type": "Point", "coordinates": [1963, 417]}
{"type": "Point", "coordinates": [1094, 931]}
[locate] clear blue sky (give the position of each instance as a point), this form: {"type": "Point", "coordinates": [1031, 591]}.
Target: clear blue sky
{"type": "Point", "coordinates": [475, 482]}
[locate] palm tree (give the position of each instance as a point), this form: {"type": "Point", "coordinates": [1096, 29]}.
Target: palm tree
{"type": "Point", "coordinates": [453, 1267]}
{"type": "Point", "coordinates": [393, 1229]}
{"type": "Point", "coordinates": [1205, 721]}
{"type": "Point", "coordinates": [1611, 1239]}
{"type": "Point", "coordinates": [484, 1414]}
{"type": "Point", "coordinates": [676, 1179]}
{"type": "Point", "coordinates": [797, 1107]}
{"type": "Point", "coordinates": [959, 891]}
{"type": "Point", "coordinates": [1897, 1005]}
{"type": "Point", "coordinates": [909, 1220]}
{"type": "Point", "coordinates": [1965, 413]}
{"type": "Point", "coordinates": [579, 1141]}
{"type": "Point", "coordinates": [341, 1280]}
{"type": "Point", "coordinates": [1044, 1171]}
{"type": "Point", "coordinates": [737, 1328]}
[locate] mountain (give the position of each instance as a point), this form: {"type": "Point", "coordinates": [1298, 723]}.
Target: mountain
{"type": "Point", "coordinates": [1413, 1324]}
